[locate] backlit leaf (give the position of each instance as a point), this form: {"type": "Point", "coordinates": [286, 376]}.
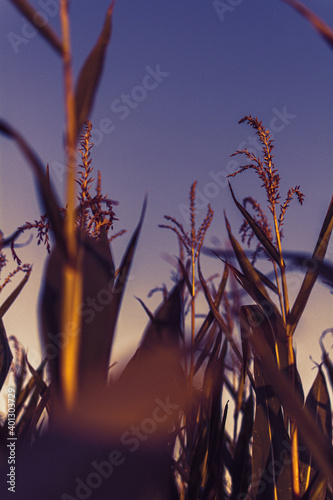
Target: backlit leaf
{"type": "Point", "coordinates": [245, 264]}
{"type": "Point", "coordinates": [241, 465]}
{"type": "Point", "coordinates": [267, 244]}
{"type": "Point", "coordinates": [312, 273]}
{"type": "Point", "coordinates": [9, 301]}
{"type": "Point", "coordinates": [40, 23]}
{"type": "Point", "coordinates": [5, 355]}
{"type": "Point", "coordinates": [91, 72]}
{"type": "Point", "coordinates": [318, 405]}
{"type": "Point", "coordinates": [318, 24]}
{"type": "Point", "coordinates": [46, 194]}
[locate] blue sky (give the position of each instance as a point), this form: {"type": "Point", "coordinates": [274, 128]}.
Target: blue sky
{"type": "Point", "coordinates": [178, 78]}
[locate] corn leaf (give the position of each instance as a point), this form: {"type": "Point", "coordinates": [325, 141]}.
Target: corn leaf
{"type": "Point", "coordinates": [22, 426]}
{"type": "Point", "coordinates": [23, 395]}
{"type": "Point", "coordinates": [15, 293]}
{"type": "Point", "coordinates": [91, 72]}
{"type": "Point", "coordinates": [317, 488]}
{"type": "Point", "coordinates": [42, 405]}
{"type": "Point", "coordinates": [267, 244]}
{"type": "Point", "coordinates": [122, 275]}
{"type": "Point", "coordinates": [155, 370]}
{"type": "Point", "coordinates": [313, 438]}
{"type": "Point", "coordinates": [215, 411]}
{"type": "Point", "coordinates": [312, 274]}
{"type": "Point", "coordinates": [214, 484]}
{"type": "Point", "coordinates": [222, 324]}
{"type": "Point", "coordinates": [210, 316]}
{"type": "Point", "coordinates": [318, 24]}
{"type": "Point", "coordinates": [241, 464]}
{"type": "Point", "coordinates": [245, 264]}
{"type": "Point", "coordinates": [5, 355]}
{"type": "Point", "coordinates": [34, 17]}
{"type": "Point", "coordinates": [207, 348]}
{"type": "Point", "coordinates": [318, 405]}
{"type": "Point", "coordinates": [268, 308]}
{"type": "Point", "coordinates": [96, 309]}
{"type": "Point", "coordinates": [45, 192]}
{"type": "Point", "coordinates": [197, 460]}
{"type": "Point", "coordinates": [271, 475]}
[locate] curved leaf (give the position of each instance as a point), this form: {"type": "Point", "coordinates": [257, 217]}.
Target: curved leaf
{"type": "Point", "coordinates": [220, 321]}
{"type": "Point", "coordinates": [257, 231]}
{"type": "Point", "coordinates": [318, 405]}
{"type": "Point", "coordinates": [15, 293]}
{"type": "Point", "coordinates": [91, 72]}
{"type": "Point", "coordinates": [210, 316]}
{"type": "Point", "coordinates": [43, 27]}
{"type": "Point", "coordinates": [241, 464]}
{"type": "Point", "coordinates": [323, 29]}
{"type": "Point", "coordinates": [122, 275]}
{"type": "Point", "coordinates": [312, 273]}
{"type": "Point", "coordinates": [292, 404]}
{"type": "Point", "coordinates": [45, 192]}
{"type": "Point", "coordinates": [5, 355]}
{"type": "Point", "coordinates": [245, 264]}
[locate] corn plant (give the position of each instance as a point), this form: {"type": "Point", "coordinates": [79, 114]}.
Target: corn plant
{"type": "Point", "coordinates": [160, 430]}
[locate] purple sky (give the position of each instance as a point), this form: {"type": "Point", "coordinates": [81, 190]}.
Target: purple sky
{"type": "Point", "coordinates": [178, 78]}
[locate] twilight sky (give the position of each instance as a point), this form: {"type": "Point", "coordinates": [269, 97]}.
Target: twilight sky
{"type": "Point", "coordinates": [179, 75]}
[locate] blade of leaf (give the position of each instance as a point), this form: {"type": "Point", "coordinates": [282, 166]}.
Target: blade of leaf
{"type": "Point", "coordinates": [214, 484]}
{"type": "Point", "coordinates": [91, 72]}
{"type": "Point", "coordinates": [313, 438]}
{"type": "Point", "coordinates": [43, 27]}
{"type": "Point", "coordinates": [224, 327]}
{"type": "Point", "coordinates": [5, 355]}
{"type": "Point", "coordinates": [323, 29]}
{"type": "Point", "coordinates": [257, 230]}
{"type": "Point", "coordinates": [241, 469]}
{"type": "Point", "coordinates": [207, 347]}
{"type": "Point", "coordinates": [245, 264]}
{"type": "Point", "coordinates": [9, 301]}
{"type": "Point", "coordinates": [312, 274]}
{"type": "Point", "coordinates": [210, 316]}
{"type": "Point", "coordinates": [45, 192]}
{"type": "Point", "coordinates": [318, 405]}
{"type": "Point", "coordinates": [122, 275]}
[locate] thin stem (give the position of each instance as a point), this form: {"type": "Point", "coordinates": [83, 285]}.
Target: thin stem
{"type": "Point", "coordinates": [293, 427]}
{"type": "Point", "coordinates": [285, 309]}
{"type": "Point", "coordinates": [70, 129]}
{"type": "Point", "coordinates": [192, 316]}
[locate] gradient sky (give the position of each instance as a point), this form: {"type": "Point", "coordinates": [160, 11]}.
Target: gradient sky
{"type": "Point", "coordinates": [211, 68]}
